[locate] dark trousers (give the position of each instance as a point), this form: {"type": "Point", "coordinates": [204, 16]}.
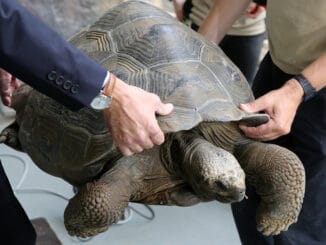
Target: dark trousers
{"type": "Point", "coordinates": [308, 140]}
{"type": "Point", "coordinates": [15, 227]}
{"type": "Point", "coordinates": [244, 51]}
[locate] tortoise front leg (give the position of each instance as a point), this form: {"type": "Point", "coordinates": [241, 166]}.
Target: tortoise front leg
{"type": "Point", "coordinates": [97, 205]}
{"type": "Point", "coordinates": [279, 179]}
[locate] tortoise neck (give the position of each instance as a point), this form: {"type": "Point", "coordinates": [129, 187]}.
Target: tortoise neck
{"type": "Point", "coordinates": [223, 134]}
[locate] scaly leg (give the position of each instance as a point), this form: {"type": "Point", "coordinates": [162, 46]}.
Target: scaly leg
{"type": "Point", "coordinates": [279, 179]}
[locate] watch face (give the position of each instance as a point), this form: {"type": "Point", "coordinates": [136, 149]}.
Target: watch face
{"type": "Point", "coordinates": [101, 102]}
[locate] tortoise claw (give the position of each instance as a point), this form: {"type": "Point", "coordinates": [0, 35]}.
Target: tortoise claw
{"type": "Point", "coordinates": [270, 223]}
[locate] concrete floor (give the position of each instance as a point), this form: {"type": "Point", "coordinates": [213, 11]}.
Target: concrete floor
{"type": "Point", "coordinates": [45, 196]}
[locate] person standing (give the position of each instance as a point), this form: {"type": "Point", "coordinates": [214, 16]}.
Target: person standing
{"type": "Point", "coordinates": [290, 87]}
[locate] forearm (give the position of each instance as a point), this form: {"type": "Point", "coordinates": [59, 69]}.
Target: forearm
{"type": "Point", "coordinates": [316, 73]}
{"type": "Point", "coordinates": [221, 17]}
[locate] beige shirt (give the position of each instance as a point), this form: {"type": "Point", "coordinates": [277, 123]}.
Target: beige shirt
{"type": "Point", "coordinates": [297, 32]}
{"type": "Point", "coordinates": [244, 26]}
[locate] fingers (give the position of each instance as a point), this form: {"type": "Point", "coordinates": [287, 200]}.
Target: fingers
{"type": "Point", "coordinates": [178, 6]}
{"type": "Point", "coordinates": [255, 106]}
{"type": "Point", "coordinates": [15, 83]}
{"type": "Point", "coordinates": [145, 138]}
{"type": "Point", "coordinates": [265, 132]}
{"type": "Point", "coordinates": [5, 80]}
{"type": "Point", "coordinates": [164, 109]}
{"type": "Point", "coordinates": [258, 133]}
{"type": "Point", "coordinates": [8, 84]}
{"type": "Point", "coordinates": [137, 142]}
{"type": "Point", "coordinates": [131, 118]}
{"type": "Point", "coordinates": [6, 99]}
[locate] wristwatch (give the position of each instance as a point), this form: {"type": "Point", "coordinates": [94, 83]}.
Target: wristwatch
{"type": "Point", "coordinates": [309, 91]}
{"type": "Point", "coordinates": [104, 98]}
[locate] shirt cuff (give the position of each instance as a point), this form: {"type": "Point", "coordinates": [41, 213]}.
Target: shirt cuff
{"type": "Point", "coordinates": [106, 79]}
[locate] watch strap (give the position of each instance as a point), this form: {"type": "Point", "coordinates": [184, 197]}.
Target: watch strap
{"type": "Point", "coordinates": [309, 91]}
{"type": "Point", "coordinates": [108, 88]}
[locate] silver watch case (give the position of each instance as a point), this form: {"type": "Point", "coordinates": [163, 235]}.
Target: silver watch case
{"type": "Point", "coordinates": [101, 102]}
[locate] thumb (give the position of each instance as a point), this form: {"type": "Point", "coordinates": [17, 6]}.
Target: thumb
{"type": "Point", "coordinates": [164, 109]}
{"type": "Point", "coordinates": [253, 107]}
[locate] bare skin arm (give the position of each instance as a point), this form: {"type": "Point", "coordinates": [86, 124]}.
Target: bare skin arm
{"type": "Point", "coordinates": [221, 17]}
{"type": "Point", "coordinates": [178, 8]}
{"type": "Point", "coordinates": [282, 104]}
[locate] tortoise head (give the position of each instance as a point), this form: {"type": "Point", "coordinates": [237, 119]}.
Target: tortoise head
{"type": "Point", "coordinates": [212, 172]}
{"type": "Point", "coordinates": [218, 174]}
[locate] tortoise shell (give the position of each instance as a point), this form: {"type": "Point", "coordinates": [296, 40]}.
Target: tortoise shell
{"type": "Point", "coordinates": [151, 50]}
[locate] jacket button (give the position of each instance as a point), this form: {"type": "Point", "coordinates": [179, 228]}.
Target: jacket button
{"type": "Point", "coordinates": [59, 81]}
{"type": "Point", "coordinates": [67, 84]}
{"type": "Point", "coordinates": [52, 75]}
{"type": "Point", "coordinates": [74, 89]}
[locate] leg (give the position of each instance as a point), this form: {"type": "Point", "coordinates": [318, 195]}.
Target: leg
{"type": "Point", "coordinates": [15, 226]}
{"type": "Point", "coordinates": [268, 77]}
{"type": "Point", "coordinates": [279, 179]}
{"type": "Point", "coordinates": [307, 144]}
{"type": "Point", "coordinates": [138, 178]}
{"type": "Point", "coordinates": [244, 51]}
{"type": "Point", "coordinates": [98, 204]}
{"type": "Point", "coordinates": [244, 214]}
{"type": "Point", "coordinates": [307, 140]}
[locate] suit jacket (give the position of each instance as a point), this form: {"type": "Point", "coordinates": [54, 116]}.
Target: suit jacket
{"type": "Point", "coordinates": [40, 57]}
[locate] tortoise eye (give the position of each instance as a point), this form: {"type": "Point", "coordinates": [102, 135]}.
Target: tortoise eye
{"type": "Point", "coordinates": [221, 185]}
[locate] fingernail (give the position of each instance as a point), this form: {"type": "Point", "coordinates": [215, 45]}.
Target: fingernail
{"type": "Point", "coordinates": [170, 105]}
{"type": "Point", "coordinates": [244, 106]}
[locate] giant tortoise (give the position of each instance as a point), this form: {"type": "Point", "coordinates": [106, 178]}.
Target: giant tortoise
{"type": "Point", "coordinates": [205, 156]}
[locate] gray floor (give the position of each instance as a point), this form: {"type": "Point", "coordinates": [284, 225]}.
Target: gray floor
{"type": "Point", "coordinates": [45, 196]}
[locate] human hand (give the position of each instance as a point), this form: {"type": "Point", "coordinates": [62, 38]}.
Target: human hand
{"type": "Point", "coordinates": [254, 10]}
{"type": "Point", "coordinates": [281, 105]}
{"type": "Point", "coordinates": [131, 118]}
{"type": "Point", "coordinates": [178, 8]}
{"type": "Point", "coordinates": [8, 84]}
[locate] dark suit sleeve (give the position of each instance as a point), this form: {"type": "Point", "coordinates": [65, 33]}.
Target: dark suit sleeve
{"type": "Point", "coordinates": [37, 55]}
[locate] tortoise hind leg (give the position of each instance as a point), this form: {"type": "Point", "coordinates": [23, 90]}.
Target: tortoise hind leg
{"type": "Point", "coordinates": [9, 136]}
{"type": "Point", "coordinates": [279, 179]}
